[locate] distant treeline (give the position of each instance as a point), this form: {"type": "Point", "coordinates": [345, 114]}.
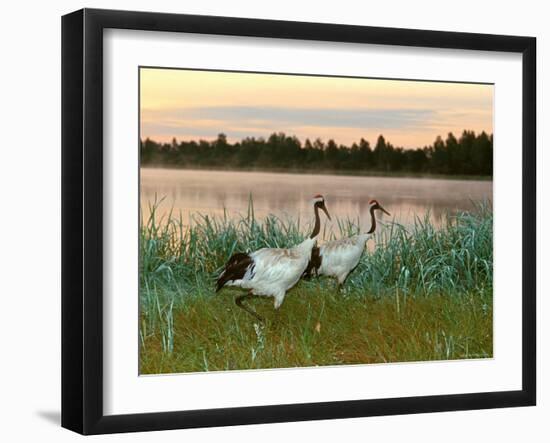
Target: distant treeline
{"type": "Point", "coordinates": [470, 154]}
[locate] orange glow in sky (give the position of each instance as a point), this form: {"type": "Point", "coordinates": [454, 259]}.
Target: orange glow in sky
{"type": "Point", "coordinates": [194, 105]}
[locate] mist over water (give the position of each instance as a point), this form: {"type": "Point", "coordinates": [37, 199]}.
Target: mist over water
{"type": "Point", "coordinates": [288, 195]}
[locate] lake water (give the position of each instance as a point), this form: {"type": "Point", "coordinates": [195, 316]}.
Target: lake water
{"type": "Point", "coordinates": [289, 195]}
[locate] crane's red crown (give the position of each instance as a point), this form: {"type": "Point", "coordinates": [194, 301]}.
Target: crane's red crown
{"type": "Point", "coordinates": [373, 202]}
{"type": "Point", "coordinates": [318, 196]}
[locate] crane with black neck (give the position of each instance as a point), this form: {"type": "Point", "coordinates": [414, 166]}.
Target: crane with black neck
{"type": "Point", "coordinates": [337, 258]}
{"type": "Point", "coordinates": [271, 272]}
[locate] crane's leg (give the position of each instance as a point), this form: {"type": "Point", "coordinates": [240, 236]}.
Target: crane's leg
{"type": "Point", "coordinates": [277, 302]}
{"type": "Point", "coordinates": [239, 302]}
{"type": "Point", "coordinates": [341, 280]}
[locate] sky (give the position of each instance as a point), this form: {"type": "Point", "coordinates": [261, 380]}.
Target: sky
{"type": "Point", "coordinates": [195, 105]}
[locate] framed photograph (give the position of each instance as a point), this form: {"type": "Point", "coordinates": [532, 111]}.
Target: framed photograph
{"type": "Point", "coordinates": [269, 221]}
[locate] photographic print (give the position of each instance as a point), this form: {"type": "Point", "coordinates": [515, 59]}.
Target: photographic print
{"type": "Point", "coordinates": [304, 220]}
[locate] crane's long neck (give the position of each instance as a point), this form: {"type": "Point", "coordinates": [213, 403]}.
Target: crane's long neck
{"type": "Point", "coordinates": [317, 227]}
{"type": "Point", "coordinates": [372, 221]}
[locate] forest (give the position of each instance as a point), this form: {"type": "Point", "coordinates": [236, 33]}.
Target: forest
{"type": "Point", "coordinates": [470, 154]}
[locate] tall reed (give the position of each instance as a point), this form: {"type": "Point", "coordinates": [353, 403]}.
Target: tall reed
{"type": "Point", "coordinates": [179, 263]}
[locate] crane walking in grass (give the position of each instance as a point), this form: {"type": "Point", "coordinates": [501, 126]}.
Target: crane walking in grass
{"type": "Point", "coordinates": [270, 272]}
{"type": "Point", "coordinates": [338, 258]}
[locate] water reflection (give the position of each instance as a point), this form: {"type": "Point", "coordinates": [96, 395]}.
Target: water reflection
{"type": "Point", "coordinates": [288, 195]}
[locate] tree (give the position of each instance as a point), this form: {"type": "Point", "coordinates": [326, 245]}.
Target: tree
{"type": "Point", "coordinates": [381, 155]}
{"type": "Point", "coordinates": [331, 155]}
{"type": "Point", "coordinates": [440, 157]}
{"type": "Point", "coordinates": [471, 154]}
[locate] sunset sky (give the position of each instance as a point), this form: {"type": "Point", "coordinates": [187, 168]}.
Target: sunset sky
{"type": "Point", "coordinates": [193, 105]}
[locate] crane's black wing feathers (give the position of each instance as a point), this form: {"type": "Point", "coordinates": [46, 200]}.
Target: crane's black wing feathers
{"type": "Point", "coordinates": [235, 269]}
{"type": "Point", "coordinates": [314, 263]}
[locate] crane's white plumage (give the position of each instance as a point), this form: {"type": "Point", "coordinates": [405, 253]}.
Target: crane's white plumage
{"type": "Point", "coordinates": [338, 258]}
{"type": "Point", "coordinates": [271, 272]}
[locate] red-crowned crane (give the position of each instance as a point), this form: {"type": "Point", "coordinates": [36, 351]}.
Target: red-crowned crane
{"type": "Point", "coordinates": [271, 272]}
{"type": "Point", "coordinates": [337, 258]}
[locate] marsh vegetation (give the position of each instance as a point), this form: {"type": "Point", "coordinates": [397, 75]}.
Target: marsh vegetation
{"type": "Point", "coordinates": [420, 293]}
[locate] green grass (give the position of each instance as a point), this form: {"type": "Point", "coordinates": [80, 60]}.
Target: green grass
{"type": "Point", "coordinates": [419, 293]}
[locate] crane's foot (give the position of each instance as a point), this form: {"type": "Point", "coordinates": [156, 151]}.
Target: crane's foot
{"type": "Point", "coordinates": [239, 302]}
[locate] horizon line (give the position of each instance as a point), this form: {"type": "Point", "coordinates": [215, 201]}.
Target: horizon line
{"type": "Point", "coordinates": [313, 140]}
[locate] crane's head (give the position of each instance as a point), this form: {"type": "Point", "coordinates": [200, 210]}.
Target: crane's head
{"type": "Point", "coordinates": [319, 202]}
{"type": "Point", "coordinates": [374, 206]}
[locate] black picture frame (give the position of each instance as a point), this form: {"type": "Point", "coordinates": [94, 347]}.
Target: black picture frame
{"type": "Point", "coordinates": [82, 220]}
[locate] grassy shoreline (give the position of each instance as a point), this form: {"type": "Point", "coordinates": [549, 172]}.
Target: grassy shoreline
{"type": "Point", "coordinates": [321, 328]}
{"type": "Point", "coordinates": [421, 294]}
{"type": "Point", "coordinates": [351, 173]}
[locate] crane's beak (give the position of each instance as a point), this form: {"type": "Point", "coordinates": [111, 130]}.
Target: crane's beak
{"type": "Point", "coordinates": [324, 208]}
{"type": "Point", "coordinates": [383, 210]}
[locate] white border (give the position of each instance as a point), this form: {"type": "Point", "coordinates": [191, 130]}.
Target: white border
{"type": "Point", "coordinates": [126, 392]}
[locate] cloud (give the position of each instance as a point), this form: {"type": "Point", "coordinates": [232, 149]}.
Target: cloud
{"type": "Point", "coordinates": [262, 116]}
{"type": "Point", "coordinates": [407, 127]}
